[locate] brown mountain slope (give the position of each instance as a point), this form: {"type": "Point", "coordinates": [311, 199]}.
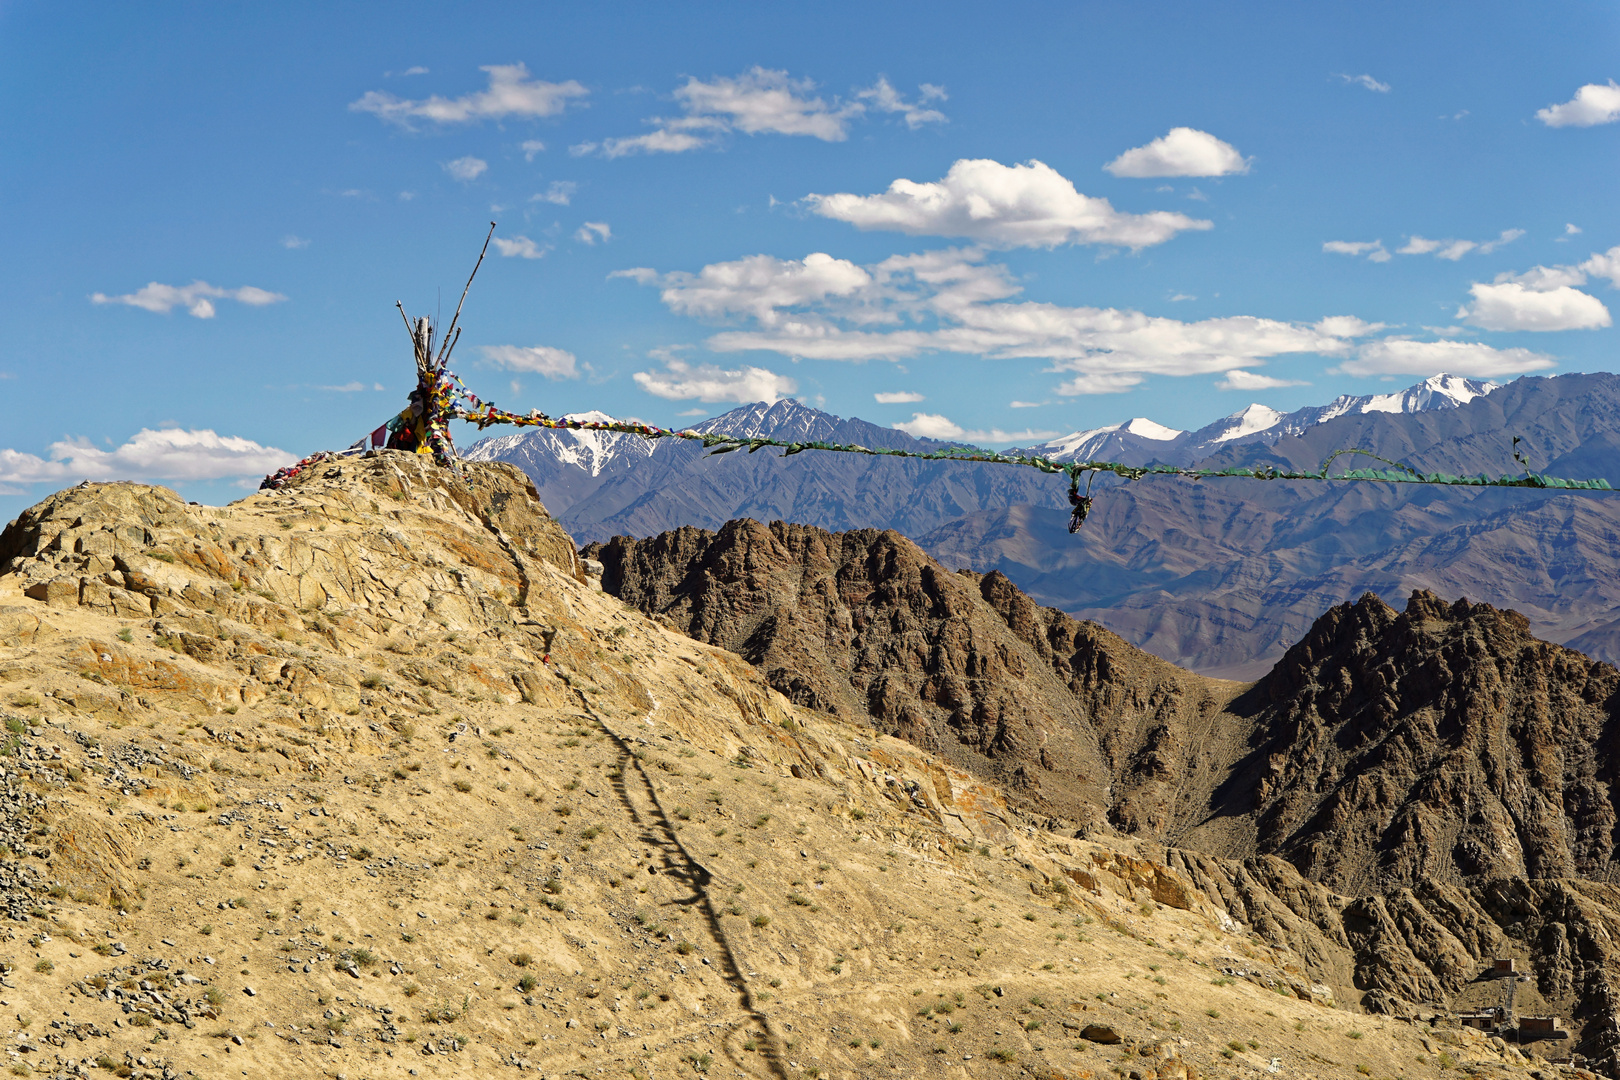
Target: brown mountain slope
{"type": "Point", "coordinates": [359, 778]}
{"type": "Point", "coordinates": [1437, 743]}
{"type": "Point", "coordinates": [1386, 748]}
{"type": "Point", "coordinates": [864, 625]}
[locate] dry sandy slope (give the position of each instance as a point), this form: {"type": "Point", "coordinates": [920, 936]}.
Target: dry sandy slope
{"type": "Point", "coordinates": [327, 806]}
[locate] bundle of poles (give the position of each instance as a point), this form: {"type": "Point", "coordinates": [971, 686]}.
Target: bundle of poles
{"type": "Point", "coordinates": [440, 397]}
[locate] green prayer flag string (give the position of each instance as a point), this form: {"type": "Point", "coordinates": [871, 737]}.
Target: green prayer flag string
{"type": "Point", "coordinates": [441, 396]}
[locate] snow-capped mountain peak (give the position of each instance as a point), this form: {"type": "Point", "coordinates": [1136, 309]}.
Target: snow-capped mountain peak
{"type": "Point", "coordinates": [786, 419]}
{"type": "Point", "coordinates": [1146, 428]}
{"type": "Point", "coordinates": [1249, 421]}
{"type": "Point", "coordinates": [592, 451]}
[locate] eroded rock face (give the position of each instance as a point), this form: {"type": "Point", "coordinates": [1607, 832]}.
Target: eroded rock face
{"type": "Point", "coordinates": [1437, 744]}
{"type": "Point", "coordinates": [864, 625]}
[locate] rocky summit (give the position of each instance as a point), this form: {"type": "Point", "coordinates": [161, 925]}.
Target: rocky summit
{"type": "Point", "coordinates": [367, 777]}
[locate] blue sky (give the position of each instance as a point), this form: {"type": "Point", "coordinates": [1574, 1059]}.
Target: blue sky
{"type": "Point", "coordinates": [1008, 222]}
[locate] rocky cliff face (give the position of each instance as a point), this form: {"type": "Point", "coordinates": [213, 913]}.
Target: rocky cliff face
{"type": "Point", "coordinates": [1435, 744]}
{"type": "Point", "coordinates": [864, 625]}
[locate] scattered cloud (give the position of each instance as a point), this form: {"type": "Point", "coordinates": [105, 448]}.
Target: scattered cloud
{"type": "Point", "coordinates": [532, 147]}
{"type": "Point", "coordinates": [1184, 151]}
{"type": "Point", "coordinates": [764, 101]}
{"type": "Point", "coordinates": [898, 397]}
{"type": "Point", "coordinates": [1028, 205]}
{"type": "Point", "coordinates": [466, 168]}
{"type": "Point", "coordinates": [1027, 404]}
{"type": "Point", "coordinates": [1366, 82]}
{"type": "Point", "coordinates": [1401, 356]}
{"type": "Point", "coordinates": [1373, 249]}
{"type": "Point", "coordinates": [1507, 237]}
{"type": "Point", "coordinates": [510, 93]}
{"type": "Point", "coordinates": [953, 301]}
{"type": "Point", "coordinates": [347, 388]}
{"type": "Point", "coordinates": [520, 247]}
{"type": "Point", "coordinates": [1348, 326]}
{"type": "Point", "coordinates": [1248, 380]}
{"type": "Point", "coordinates": [170, 454]}
{"type": "Point", "coordinates": [1099, 383]}
{"type": "Point", "coordinates": [197, 298]}
{"type": "Point", "coordinates": [592, 231]}
{"type": "Point", "coordinates": [1592, 104]}
{"type": "Point", "coordinates": [1571, 229]}
{"type": "Point", "coordinates": [693, 412]}
{"type": "Point", "coordinates": [535, 359]}
{"type": "Point", "coordinates": [1605, 265]}
{"type": "Point", "coordinates": [560, 192]}
{"type": "Point", "coordinates": [885, 98]}
{"type": "Point", "coordinates": [1456, 249]}
{"type": "Point", "coordinates": [934, 426]}
{"type": "Point", "coordinates": [418, 70]}
{"type": "Point", "coordinates": [1181, 296]}
{"type": "Point", "coordinates": [1533, 305]}
{"type": "Point", "coordinates": [294, 243]}
{"type": "Point", "coordinates": [680, 381]}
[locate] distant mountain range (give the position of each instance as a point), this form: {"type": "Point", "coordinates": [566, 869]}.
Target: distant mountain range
{"type": "Point", "coordinates": [1219, 576]}
{"type": "Point", "coordinates": [1141, 441]}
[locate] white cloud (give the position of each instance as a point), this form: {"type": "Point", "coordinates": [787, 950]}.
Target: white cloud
{"type": "Point", "coordinates": [418, 70]}
{"type": "Point", "coordinates": [171, 454]}
{"type": "Point", "coordinates": [758, 286]}
{"type": "Point", "coordinates": [1456, 249]}
{"type": "Point", "coordinates": [1248, 380]}
{"type": "Point", "coordinates": [885, 98]}
{"type": "Point", "coordinates": [536, 359]}
{"type": "Point", "coordinates": [520, 246]}
{"type": "Point", "coordinates": [1027, 404]}
{"type": "Point", "coordinates": [898, 397]}
{"type": "Point", "coordinates": [1507, 237]}
{"type": "Point", "coordinates": [511, 93]}
{"type": "Point", "coordinates": [1184, 151]}
{"type": "Point", "coordinates": [559, 193]}
{"type": "Point", "coordinates": [1368, 82]}
{"type": "Point", "coordinates": [680, 381]}
{"type": "Point", "coordinates": [466, 168]}
{"type": "Point", "coordinates": [293, 243]}
{"type": "Point", "coordinates": [197, 298]}
{"type": "Point", "coordinates": [1028, 205]}
{"type": "Point", "coordinates": [1538, 305]}
{"type": "Point", "coordinates": [934, 426]}
{"type": "Point", "coordinates": [532, 147]}
{"type": "Point", "coordinates": [346, 388]}
{"type": "Point", "coordinates": [1592, 104]}
{"type": "Point", "coordinates": [592, 231]}
{"type": "Point", "coordinates": [1099, 383]}
{"type": "Point", "coordinates": [641, 275]}
{"type": "Point", "coordinates": [1347, 326]}
{"type": "Point", "coordinates": [1606, 265]}
{"type": "Point", "coordinates": [952, 301]}
{"type": "Point", "coordinates": [1373, 249]}
{"type": "Point", "coordinates": [1399, 356]}
{"type": "Point", "coordinates": [656, 142]}
{"type": "Point", "coordinates": [1571, 229]}
{"type": "Point", "coordinates": [693, 412]}
{"type": "Point", "coordinates": [763, 101]}
{"type": "Point", "coordinates": [1181, 296]}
